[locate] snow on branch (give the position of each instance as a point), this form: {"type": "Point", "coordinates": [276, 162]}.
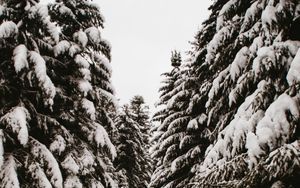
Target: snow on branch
{"type": "Point", "coordinates": [102, 139]}
{"type": "Point", "coordinates": [293, 76]}
{"type": "Point", "coordinates": [93, 34]}
{"type": "Point", "coordinates": [280, 163]}
{"type": "Point", "coordinates": [175, 127]}
{"type": "Point", "coordinates": [45, 82]}
{"type": "Point", "coordinates": [170, 140]}
{"type": "Point", "coordinates": [103, 61]}
{"type": "Point", "coordinates": [70, 165]}
{"type": "Point", "coordinates": [8, 29]}
{"type": "Point", "coordinates": [74, 49]}
{"type": "Point", "coordinates": [84, 86]}
{"type": "Point", "coordinates": [170, 153]}
{"type": "Point", "coordinates": [41, 11]}
{"type": "Point", "coordinates": [86, 160]}
{"type": "Point", "coordinates": [232, 140]}
{"type": "Point", "coordinates": [225, 175]}
{"type": "Point", "coordinates": [16, 121]}
{"type": "Point", "coordinates": [167, 121]}
{"type": "Point", "coordinates": [109, 96]}
{"type": "Point", "coordinates": [226, 9]}
{"type": "Point", "coordinates": [60, 48]}
{"type": "Point", "coordinates": [72, 181]}
{"type": "Point", "coordinates": [283, 160]}
{"type": "Point", "coordinates": [97, 184]}
{"type": "Point", "coordinates": [274, 129]}
{"type": "Point", "coordinates": [277, 56]}
{"type": "Point", "coordinates": [20, 58]}
{"type": "Point", "coordinates": [65, 11]}
{"type": "Point", "coordinates": [58, 145]}
{"type": "Point", "coordinates": [39, 176]}
{"type": "Point", "coordinates": [178, 124]}
{"type": "Point", "coordinates": [81, 38]}
{"type": "Point", "coordinates": [48, 162]}
{"type": "Point", "coordinates": [8, 174]}
{"type": "Point", "coordinates": [252, 14]}
{"type": "Point", "coordinates": [82, 61]}
{"type": "Point", "coordinates": [173, 101]}
{"type": "Point", "coordinates": [256, 44]}
{"type": "Point", "coordinates": [89, 107]}
{"type": "Point", "coordinates": [217, 85]}
{"type": "Point", "coordinates": [167, 94]}
{"type": "Point", "coordinates": [269, 17]}
{"type": "Point", "coordinates": [97, 135]}
{"type": "Point", "coordinates": [240, 61]}
{"type": "Point", "coordinates": [218, 40]}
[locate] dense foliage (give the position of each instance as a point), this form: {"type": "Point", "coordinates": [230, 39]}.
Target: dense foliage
{"type": "Point", "coordinates": [237, 102]}
{"type": "Point", "coordinates": [54, 89]}
{"type": "Point", "coordinates": [227, 117]}
{"type": "Point", "coordinates": [132, 144]}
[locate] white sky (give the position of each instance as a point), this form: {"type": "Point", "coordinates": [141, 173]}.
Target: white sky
{"type": "Point", "coordinates": [142, 34]}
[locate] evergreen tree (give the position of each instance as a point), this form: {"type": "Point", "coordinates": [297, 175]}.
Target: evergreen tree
{"type": "Point", "coordinates": [249, 67]}
{"type": "Point", "coordinates": [55, 89]}
{"type": "Point", "coordinates": [182, 136]}
{"type": "Point", "coordinates": [132, 144]}
{"type": "Point", "coordinates": [140, 114]}
{"type": "Point", "coordinates": [176, 148]}
{"type": "Point", "coordinates": [244, 101]}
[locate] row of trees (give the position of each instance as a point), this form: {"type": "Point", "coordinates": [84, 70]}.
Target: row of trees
{"type": "Point", "coordinates": [229, 117]}
{"type": "Point", "coordinates": [59, 120]}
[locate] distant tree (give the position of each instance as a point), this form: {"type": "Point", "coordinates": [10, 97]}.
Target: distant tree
{"type": "Point", "coordinates": [54, 92]}
{"type": "Point", "coordinates": [176, 59]}
{"type": "Point", "coordinates": [133, 143]}
{"type": "Point", "coordinates": [140, 114]}
{"type": "Point", "coordinates": [176, 138]}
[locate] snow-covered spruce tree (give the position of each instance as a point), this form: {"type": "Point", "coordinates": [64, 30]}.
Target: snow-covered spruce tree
{"type": "Point", "coordinates": [182, 136]}
{"type": "Point", "coordinates": [53, 96]}
{"type": "Point", "coordinates": [177, 141]}
{"type": "Point", "coordinates": [87, 57]}
{"type": "Point", "coordinates": [133, 157]}
{"type": "Point", "coordinates": [250, 67]}
{"type": "Point", "coordinates": [140, 114]}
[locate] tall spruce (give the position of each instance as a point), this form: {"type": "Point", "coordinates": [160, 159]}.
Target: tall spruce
{"type": "Point", "coordinates": [55, 89]}
{"type": "Point", "coordinates": [244, 97]}
{"type": "Point", "coordinates": [132, 144]}
{"type": "Point", "coordinates": [253, 98]}
{"type": "Point", "coordinates": [140, 114]}
{"type": "Point", "coordinates": [176, 138]}
{"type": "Point", "coordinates": [182, 136]}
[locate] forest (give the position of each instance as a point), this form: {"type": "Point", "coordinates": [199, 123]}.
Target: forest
{"type": "Point", "coordinates": [226, 117]}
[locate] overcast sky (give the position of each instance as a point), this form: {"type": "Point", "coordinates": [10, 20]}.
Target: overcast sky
{"type": "Point", "coordinates": [142, 34]}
